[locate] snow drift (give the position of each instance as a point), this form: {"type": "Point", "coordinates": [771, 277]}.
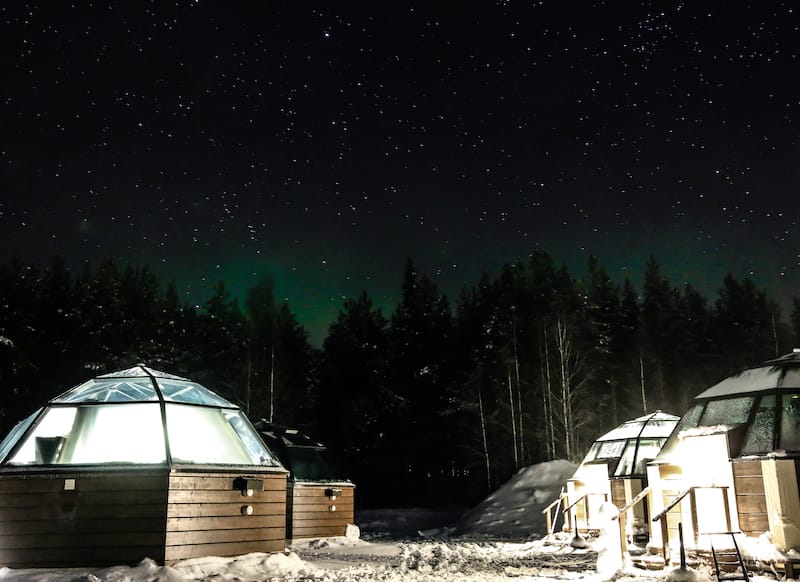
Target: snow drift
{"type": "Point", "coordinates": [515, 509]}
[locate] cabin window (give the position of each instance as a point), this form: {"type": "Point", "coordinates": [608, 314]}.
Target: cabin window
{"type": "Point", "coordinates": [625, 466]}
{"type": "Point", "coordinates": [610, 449]}
{"type": "Point", "coordinates": [213, 436]}
{"type": "Point", "coordinates": [648, 450]}
{"type": "Point", "coordinates": [728, 411]}
{"type": "Point", "coordinates": [592, 454]}
{"type": "Point", "coordinates": [12, 438]}
{"type": "Point", "coordinates": [691, 419]}
{"type": "Point", "coordinates": [790, 422]}
{"type": "Point", "coordinates": [87, 435]}
{"type": "Point", "coordinates": [761, 432]}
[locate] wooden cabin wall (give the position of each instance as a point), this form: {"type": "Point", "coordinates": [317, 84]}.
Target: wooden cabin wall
{"type": "Point", "coordinates": [74, 519]}
{"type": "Point", "coordinates": [671, 479]}
{"type": "Point", "coordinates": [751, 501]}
{"type": "Point", "coordinates": [618, 493]}
{"type": "Point", "coordinates": [310, 510]}
{"type": "Point", "coordinates": [205, 516]}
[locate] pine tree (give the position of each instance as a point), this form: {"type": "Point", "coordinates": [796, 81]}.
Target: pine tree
{"type": "Point", "coordinates": [354, 404]}
{"type": "Point", "coordinates": [420, 330]}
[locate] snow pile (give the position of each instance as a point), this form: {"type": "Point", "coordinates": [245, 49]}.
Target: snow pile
{"type": "Point", "coordinates": [247, 568]}
{"type": "Point", "coordinates": [607, 545]}
{"type": "Point", "coordinates": [515, 509]}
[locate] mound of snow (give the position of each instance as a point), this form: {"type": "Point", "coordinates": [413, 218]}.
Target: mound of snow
{"type": "Point", "coordinates": [515, 509]}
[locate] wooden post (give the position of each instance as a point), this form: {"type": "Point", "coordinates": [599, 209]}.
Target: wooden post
{"type": "Point", "coordinates": [586, 510]}
{"type": "Point", "coordinates": [693, 510]}
{"type": "Point", "coordinates": [783, 501]}
{"type": "Point", "coordinates": [549, 523]}
{"type": "Point", "coordinates": [665, 540]}
{"type": "Point", "coordinates": [727, 507]}
{"type": "Point", "coordinates": [623, 539]}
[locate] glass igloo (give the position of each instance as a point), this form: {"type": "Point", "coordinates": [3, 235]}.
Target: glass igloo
{"type": "Point", "coordinates": [137, 464]}
{"type": "Point", "coordinates": [627, 448]}
{"type": "Point", "coordinates": [615, 469]}
{"type": "Point", "coordinates": [136, 416]}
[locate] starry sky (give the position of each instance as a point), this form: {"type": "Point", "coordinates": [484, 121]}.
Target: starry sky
{"type": "Point", "coordinates": [322, 143]}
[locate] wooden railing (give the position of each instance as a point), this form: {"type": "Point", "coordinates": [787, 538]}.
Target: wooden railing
{"type": "Point", "coordinates": [552, 518]}
{"type": "Point", "coordinates": [623, 516]}
{"type": "Point", "coordinates": [691, 493]}
{"type": "Point", "coordinates": [570, 515]}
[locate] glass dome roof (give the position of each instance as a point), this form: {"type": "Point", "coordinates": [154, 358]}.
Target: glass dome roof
{"type": "Point", "coordinates": [628, 448]}
{"type": "Point", "coordinates": [759, 406]}
{"type": "Point", "coordinates": [136, 416]}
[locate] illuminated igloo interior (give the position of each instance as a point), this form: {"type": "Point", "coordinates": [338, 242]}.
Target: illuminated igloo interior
{"type": "Point", "coordinates": [137, 416]}
{"type": "Point", "coordinates": [627, 448]}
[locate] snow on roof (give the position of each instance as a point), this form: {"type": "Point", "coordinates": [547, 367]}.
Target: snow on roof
{"type": "Point", "coordinates": [654, 425]}
{"type": "Point", "coordinates": [140, 371]}
{"type": "Point", "coordinates": [783, 372]}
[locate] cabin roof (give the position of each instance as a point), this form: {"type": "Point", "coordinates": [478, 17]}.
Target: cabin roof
{"type": "Point", "coordinates": [656, 424]}
{"type": "Point", "coordinates": [783, 372]}
{"type": "Point", "coordinates": [141, 384]}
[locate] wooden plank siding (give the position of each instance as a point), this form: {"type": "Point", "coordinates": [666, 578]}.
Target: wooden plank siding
{"type": "Point", "coordinates": [751, 501]}
{"type": "Point", "coordinates": [205, 515]}
{"type": "Point", "coordinates": [618, 493]}
{"type": "Point", "coordinates": [672, 486]}
{"type": "Point", "coordinates": [121, 516]}
{"type": "Point", "coordinates": [110, 517]}
{"type": "Point", "coordinates": [312, 514]}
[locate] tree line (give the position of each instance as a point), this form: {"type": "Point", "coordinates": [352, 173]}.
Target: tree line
{"type": "Point", "coordinates": [432, 404]}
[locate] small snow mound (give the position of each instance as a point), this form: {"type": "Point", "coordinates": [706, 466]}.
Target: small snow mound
{"type": "Point", "coordinates": [686, 575]}
{"type": "Point", "coordinates": [609, 553]}
{"type": "Point", "coordinates": [352, 532]}
{"type": "Point", "coordinates": [147, 570]}
{"type": "Point", "coordinates": [515, 509]}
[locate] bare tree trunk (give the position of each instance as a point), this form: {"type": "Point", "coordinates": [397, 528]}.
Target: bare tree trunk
{"type": "Point", "coordinates": [513, 421]}
{"type": "Point", "coordinates": [519, 391]}
{"type": "Point", "coordinates": [548, 401]}
{"type": "Point", "coordinates": [249, 374]}
{"type": "Point", "coordinates": [272, 384]}
{"type": "Point", "coordinates": [775, 334]}
{"type": "Point", "coordinates": [569, 364]}
{"type": "Point", "coordinates": [614, 412]}
{"type": "Point", "coordinates": [485, 444]}
{"type": "Point", "coordinates": [563, 350]}
{"type": "Point", "coordinates": [641, 378]}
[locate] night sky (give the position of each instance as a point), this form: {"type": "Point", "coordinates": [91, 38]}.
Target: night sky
{"type": "Point", "coordinates": [323, 143]}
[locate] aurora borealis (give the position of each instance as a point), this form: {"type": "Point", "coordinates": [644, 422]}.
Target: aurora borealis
{"type": "Point", "coordinates": [322, 144]}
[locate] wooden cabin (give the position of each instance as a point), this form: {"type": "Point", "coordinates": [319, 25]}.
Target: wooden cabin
{"type": "Point", "coordinates": [615, 470]}
{"type": "Point", "coordinates": [137, 464]}
{"type": "Point", "coordinates": [732, 464]}
{"type": "Point", "coordinates": [320, 500]}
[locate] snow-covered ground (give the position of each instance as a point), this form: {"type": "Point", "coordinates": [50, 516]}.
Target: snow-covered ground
{"type": "Point", "coordinates": [500, 539]}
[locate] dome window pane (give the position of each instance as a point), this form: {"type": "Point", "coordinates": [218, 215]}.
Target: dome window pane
{"type": "Point", "coordinates": [129, 390]}
{"type": "Point", "coordinates": [790, 422]}
{"type": "Point", "coordinates": [190, 393]}
{"type": "Point", "coordinates": [87, 435]}
{"type": "Point", "coordinates": [761, 433]}
{"type": "Point", "coordinates": [728, 411]}
{"type": "Point", "coordinates": [213, 436]}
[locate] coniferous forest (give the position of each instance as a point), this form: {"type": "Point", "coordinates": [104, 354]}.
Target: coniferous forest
{"type": "Point", "coordinates": [436, 403]}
